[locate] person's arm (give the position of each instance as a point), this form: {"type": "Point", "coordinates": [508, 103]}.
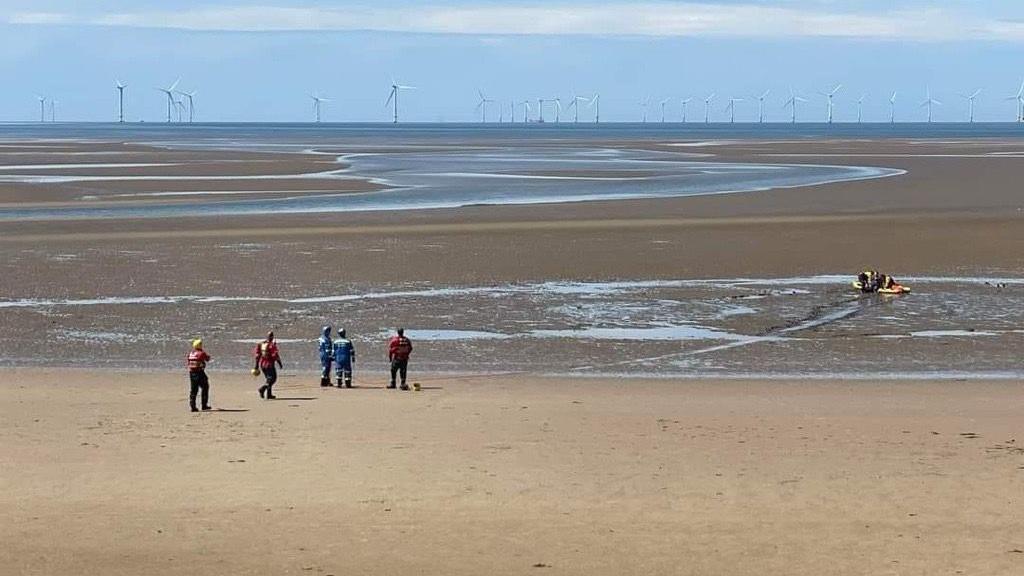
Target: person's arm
{"type": "Point", "coordinates": [256, 358]}
{"type": "Point", "coordinates": [277, 357]}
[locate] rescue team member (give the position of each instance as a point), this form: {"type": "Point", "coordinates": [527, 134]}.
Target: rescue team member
{"type": "Point", "coordinates": [197, 359]}
{"type": "Point", "coordinates": [326, 350]}
{"type": "Point", "coordinates": [399, 349]}
{"type": "Point", "coordinates": [266, 356]}
{"type": "Point", "coordinates": [344, 357]}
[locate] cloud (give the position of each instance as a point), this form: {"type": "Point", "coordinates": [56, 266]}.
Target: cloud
{"type": "Point", "coordinates": [657, 19]}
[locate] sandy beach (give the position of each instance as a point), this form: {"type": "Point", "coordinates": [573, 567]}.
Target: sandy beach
{"type": "Point", "coordinates": [870, 467]}
{"type": "Point", "coordinates": [107, 472]}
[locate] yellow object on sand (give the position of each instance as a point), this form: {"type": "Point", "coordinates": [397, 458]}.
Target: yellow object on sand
{"type": "Point", "coordinates": [197, 344]}
{"type": "Point", "coordinates": [255, 371]}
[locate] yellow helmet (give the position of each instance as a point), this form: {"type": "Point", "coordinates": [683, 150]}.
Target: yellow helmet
{"type": "Point", "coordinates": [197, 344]}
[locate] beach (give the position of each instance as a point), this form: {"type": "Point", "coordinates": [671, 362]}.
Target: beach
{"type": "Point", "coordinates": [107, 472]}
{"type": "Point", "coordinates": [625, 385]}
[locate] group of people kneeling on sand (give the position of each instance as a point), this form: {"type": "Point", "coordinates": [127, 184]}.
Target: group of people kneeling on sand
{"type": "Point", "coordinates": [339, 352]}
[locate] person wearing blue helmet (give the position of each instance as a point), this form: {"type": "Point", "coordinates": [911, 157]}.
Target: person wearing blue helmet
{"type": "Point", "coordinates": [326, 350]}
{"type": "Point", "coordinates": [344, 358]}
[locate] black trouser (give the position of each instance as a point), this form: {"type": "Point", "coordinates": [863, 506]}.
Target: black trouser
{"type": "Point", "coordinates": [399, 367]}
{"type": "Point", "coordinates": [198, 381]}
{"type": "Point", "coordinates": [270, 374]}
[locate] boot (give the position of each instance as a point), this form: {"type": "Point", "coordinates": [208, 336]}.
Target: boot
{"type": "Point", "coordinates": [325, 381]}
{"type": "Point", "coordinates": [270, 393]}
{"type": "Point", "coordinates": [263, 390]}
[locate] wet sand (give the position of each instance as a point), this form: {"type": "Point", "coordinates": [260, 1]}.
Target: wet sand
{"type": "Point", "coordinates": [108, 473]}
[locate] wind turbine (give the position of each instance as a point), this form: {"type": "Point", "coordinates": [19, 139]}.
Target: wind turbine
{"type": "Point", "coordinates": [526, 110]}
{"type": "Point", "coordinates": [317, 105]}
{"type": "Point", "coordinates": [970, 102]}
{"type": "Point", "coordinates": [685, 101]}
{"type": "Point", "coordinates": [540, 110]}
{"type": "Point", "coordinates": [596, 103]}
{"type": "Point", "coordinates": [860, 107]}
{"type": "Point", "coordinates": [707, 108]}
{"type": "Point", "coordinates": [892, 108]}
{"type": "Point", "coordinates": [42, 108]}
{"type": "Point", "coordinates": [393, 97]}
{"type": "Point", "coordinates": [829, 96]}
{"type": "Point", "coordinates": [643, 105]}
{"type": "Point", "coordinates": [191, 103]}
{"type": "Point", "coordinates": [928, 102]}
{"type": "Point", "coordinates": [575, 105]}
{"type": "Point", "coordinates": [120, 101]}
{"type": "Point", "coordinates": [663, 102]}
{"type": "Point", "coordinates": [179, 105]}
{"type": "Point", "coordinates": [792, 102]}
{"type": "Point", "coordinates": [53, 110]}
{"type": "Point", "coordinates": [482, 105]}
{"type": "Point", "coordinates": [1019, 97]}
{"type": "Point", "coordinates": [760, 106]}
{"type": "Point", "coordinates": [731, 109]}
{"type": "Point", "coordinates": [558, 109]}
{"type": "Point", "coordinates": [169, 91]}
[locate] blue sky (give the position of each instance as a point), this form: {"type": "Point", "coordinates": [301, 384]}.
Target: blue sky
{"type": "Point", "coordinates": [260, 61]}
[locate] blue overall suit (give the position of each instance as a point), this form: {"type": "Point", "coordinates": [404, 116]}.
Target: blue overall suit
{"type": "Point", "coordinates": [326, 349]}
{"type": "Point", "coordinates": [344, 356]}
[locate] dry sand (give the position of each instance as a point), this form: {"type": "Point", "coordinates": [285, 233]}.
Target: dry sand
{"type": "Point", "coordinates": [107, 473]}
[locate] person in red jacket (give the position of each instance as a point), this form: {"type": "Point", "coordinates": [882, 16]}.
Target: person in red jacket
{"type": "Point", "coordinates": [399, 349]}
{"type": "Point", "coordinates": [197, 359]}
{"type": "Point", "coordinates": [266, 356]}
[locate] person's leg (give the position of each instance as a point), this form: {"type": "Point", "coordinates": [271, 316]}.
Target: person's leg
{"type": "Point", "coordinates": [404, 368]}
{"type": "Point", "coordinates": [270, 374]}
{"type": "Point", "coordinates": [394, 373]}
{"type": "Point", "coordinates": [348, 375]}
{"type": "Point", "coordinates": [204, 386]}
{"type": "Point", "coordinates": [325, 372]}
{"type": "Point", "coordinates": [193, 390]}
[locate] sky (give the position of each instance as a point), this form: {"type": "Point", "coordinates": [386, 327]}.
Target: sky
{"type": "Point", "coordinates": [261, 61]}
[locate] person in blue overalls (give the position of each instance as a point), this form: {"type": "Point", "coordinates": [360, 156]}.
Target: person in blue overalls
{"type": "Point", "coordinates": [326, 349]}
{"type": "Point", "coordinates": [344, 357]}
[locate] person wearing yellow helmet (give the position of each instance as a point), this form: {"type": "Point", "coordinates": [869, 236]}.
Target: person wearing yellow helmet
{"type": "Point", "coordinates": [198, 381]}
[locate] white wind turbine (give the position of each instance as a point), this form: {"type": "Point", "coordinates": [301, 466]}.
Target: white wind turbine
{"type": "Point", "coordinates": [596, 103]}
{"type": "Point", "coordinates": [393, 97]}
{"type": "Point", "coordinates": [318, 102]}
{"type": "Point", "coordinates": [42, 108]}
{"type": "Point", "coordinates": [540, 110]}
{"type": "Point", "coordinates": [526, 110]}
{"type": "Point", "coordinates": [685, 102]}
{"type": "Point", "coordinates": [169, 91]}
{"type": "Point", "coordinates": [860, 108]}
{"type": "Point", "coordinates": [970, 104]}
{"type": "Point", "coordinates": [575, 105]}
{"type": "Point", "coordinates": [191, 103]}
{"type": "Point", "coordinates": [643, 105]}
{"type": "Point", "coordinates": [707, 108]}
{"type": "Point", "coordinates": [829, 96]}
{"type": "Point", "coordinates": [53, 110]}
{"type": "Point", "coordinates": [929, 101]}
{"type": "Point", "coordinates": [791, 103]}
{"type": "Point", "coordinates": [760, 106]}
{"type": "Point", "coordinates": [731, 109]}
{"type": "Point", "coordinates": [892, 108]}
{"type": "Point", "coordinates": [120, 101]}
{"type": "Point", "coordinates": [558, 109]}
{"type": "Point", "coordinates": [663, 102]}
{"type": "Point", "coordinates": [482, 105]}
{"type": "Point", "coordinates": [1019, 97]}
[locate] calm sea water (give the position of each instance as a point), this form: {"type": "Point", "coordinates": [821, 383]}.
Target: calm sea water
{"type": "Point", "coordinates": [368, 132]}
